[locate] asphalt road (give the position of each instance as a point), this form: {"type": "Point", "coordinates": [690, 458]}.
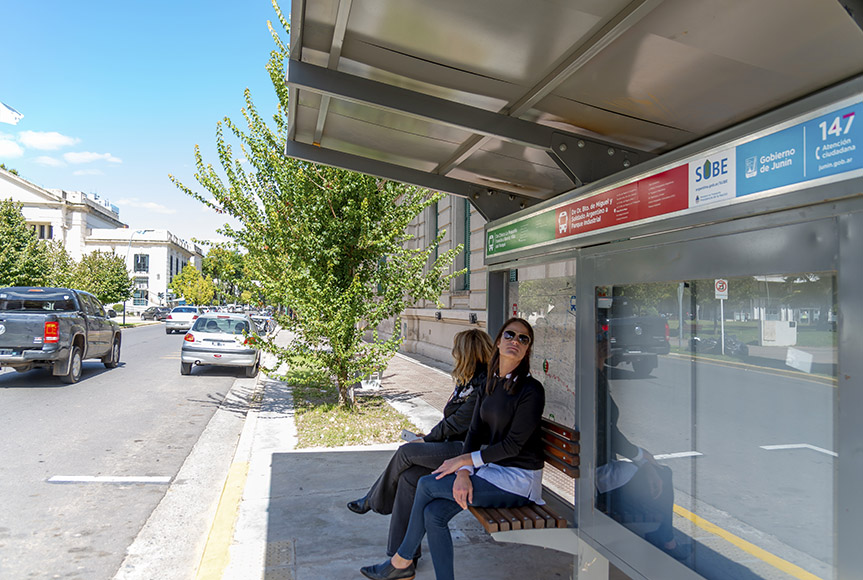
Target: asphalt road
{"type": "Point", "coordinates": [140, 419]}
{"type": "Point", "coordinates": [731, 414]}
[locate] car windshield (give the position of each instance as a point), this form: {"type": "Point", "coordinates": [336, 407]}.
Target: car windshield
{"type": "Point", "coordinates": [221, 325]}
{"type": "Point", "coordinates": [185, 309]}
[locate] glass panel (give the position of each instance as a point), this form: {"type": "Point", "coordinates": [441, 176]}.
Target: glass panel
{"type": "Point", "coordinates": [716, 405]}
{"type": "Point", "coordinates": [545, 297]}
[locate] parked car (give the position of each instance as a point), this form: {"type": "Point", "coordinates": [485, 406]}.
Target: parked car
{"type": "Point", "coordinates": [156, 313]}
{"type": "Point", "coordinates": [181, 318]}
{"type": "Point", "coordinates": [265, 323]}
{"type": "Point", "coordinates": [57, 328]}
{"type": "Point", "coordinates": [221, 339]}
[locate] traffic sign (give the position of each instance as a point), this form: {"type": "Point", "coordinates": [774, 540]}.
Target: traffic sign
{"type": "Point", "coordinates": [721, 287]}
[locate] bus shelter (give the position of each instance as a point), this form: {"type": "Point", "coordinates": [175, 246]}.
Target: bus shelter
{"type": "Point", "coordinates": [674, 196]}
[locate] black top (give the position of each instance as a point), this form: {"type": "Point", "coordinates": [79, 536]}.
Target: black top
{"type": "Point", "coordinates": [509, 425]}
{"type": "Point", "coordinates": [458, 411]}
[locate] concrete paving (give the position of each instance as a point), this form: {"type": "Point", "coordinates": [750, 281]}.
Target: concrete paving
{"type": "Point", "coordinates": [292, 522]}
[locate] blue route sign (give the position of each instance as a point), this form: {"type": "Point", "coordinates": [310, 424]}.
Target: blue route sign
{"type": "Point", "coordinates": [826, 145]}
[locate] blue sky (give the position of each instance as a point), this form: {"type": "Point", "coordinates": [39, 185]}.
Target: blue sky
{"type": "Point", "coordinates": [115, 95]}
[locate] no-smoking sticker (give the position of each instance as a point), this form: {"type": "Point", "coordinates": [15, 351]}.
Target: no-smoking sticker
{"type": "Point", "coordinates": [721, 288]}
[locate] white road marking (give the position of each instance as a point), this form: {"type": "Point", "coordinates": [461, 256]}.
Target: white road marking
{"type": "Point", "coordinates": [800, 446]}
{"type": "Point", "coordinates": [678, 455]}
{"type": "Point", "coordinates": [108, 479]}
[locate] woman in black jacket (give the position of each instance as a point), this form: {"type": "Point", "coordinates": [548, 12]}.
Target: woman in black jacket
{"type": "Point", "coordinates": [503, 446]}
{"type": "Point", "coordinates": [394, 490]}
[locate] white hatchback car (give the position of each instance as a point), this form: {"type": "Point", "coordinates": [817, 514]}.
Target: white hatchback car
{"type": "Point", "coordinates": [226, 340]}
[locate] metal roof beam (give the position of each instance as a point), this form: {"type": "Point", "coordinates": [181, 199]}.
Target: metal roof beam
{"type": "Point", "coordinates": [490, 203]}
{"type": "Point", "coordinates": [338, 41]}
{"type": "Point", "coordinates": [427, 107]}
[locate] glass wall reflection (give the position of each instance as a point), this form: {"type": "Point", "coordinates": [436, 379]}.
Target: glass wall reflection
{"type": "Point", "coordinates": [715, 421]}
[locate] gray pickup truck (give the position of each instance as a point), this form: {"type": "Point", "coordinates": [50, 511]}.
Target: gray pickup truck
{"type": "Point", "coordinates": [637, 340]}
{"type": "Point", "coordinates": [55, 328]}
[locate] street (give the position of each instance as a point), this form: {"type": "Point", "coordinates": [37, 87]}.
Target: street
{"type": "Point", "coordinates": [762, 442]}
{"type": "Point", "coordinates": [139, 420]}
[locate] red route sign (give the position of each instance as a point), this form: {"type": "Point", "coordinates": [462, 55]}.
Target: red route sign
{"type": "Point", "coordinates": [658, 194]}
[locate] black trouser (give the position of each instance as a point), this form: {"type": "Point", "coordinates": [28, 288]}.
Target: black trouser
{"type": "Point", "coordinates": [393, 492]}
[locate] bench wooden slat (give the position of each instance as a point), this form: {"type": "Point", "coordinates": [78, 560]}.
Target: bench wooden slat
{"type": "Point", "coordinates": [562, 430]}
{"type": "Point", "coordinates": [487, 521]}
{"type": "Point", "coordinates": [552, 519]}
{"type": "Point", "coordinates": [555, 440]}
{"type": "Point", "coordinates": [524, 518]}
{"type": "Point", "coordinates": [502, 521]}
{"type": "Point", "coordinates": [559, 454]}
{"type": "Point", "coordinates": [562, 467]}
{"type": "Point", "coordinates": [514, 522]}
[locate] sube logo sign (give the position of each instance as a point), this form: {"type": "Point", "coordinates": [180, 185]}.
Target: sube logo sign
{"type": "Point", "coordinates": [711, 169]}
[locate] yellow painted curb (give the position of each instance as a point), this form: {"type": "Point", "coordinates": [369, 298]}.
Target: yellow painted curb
{"type": "Point", "coordinates": [216, 553]}
{"type": "Point", "coordinates": [748, 547]}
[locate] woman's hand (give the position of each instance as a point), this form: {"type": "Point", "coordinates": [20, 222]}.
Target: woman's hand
{"type": "Point", "coordinates": [453, 465]}
{"type": "Point", "coordinates": [462, 489]}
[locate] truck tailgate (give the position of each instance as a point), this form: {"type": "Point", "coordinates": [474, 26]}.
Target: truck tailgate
{"type": "Point", "coordinates": [22, 330]}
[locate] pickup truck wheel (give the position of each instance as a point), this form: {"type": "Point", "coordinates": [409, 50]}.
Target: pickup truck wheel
{"type": "Point", "coordinates": [75, 367]}
{"type": "Point", "coordinates": [112, 359]}
{"type": "Point", "coordinates": [642, 367]}
{"type": "Point", "coordinates": [185, 368]}
{"type": "Point", "coordinates": [252, 371]}
{"type": "Point", "coordinates": [169, 331]}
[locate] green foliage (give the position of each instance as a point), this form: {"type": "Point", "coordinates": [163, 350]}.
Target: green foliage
{"type": "Point", "coordinates": [225, 267]}
{"type": "Point", "coordinates": [104, 275]}
{"type": "Point", "coordinates": [193, 286]}
{"type": "Point", "coordinates": [62, 267]}
{"type": "Point", "coordinates": [328, 244]}
{"type": "Point", "coordinates": [24, 260]}
{"type": "Point", "coordinates": [9, 169]}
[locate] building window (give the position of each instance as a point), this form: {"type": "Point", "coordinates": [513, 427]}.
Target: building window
{"type": "Point", "coordinates": [461, 223]}
{"type": "Point", "coordinates": [139, 298]}
{"type": "Point", "coordinates": [44, 231]}
{"type": "Point", "coordinates": [142, 262]}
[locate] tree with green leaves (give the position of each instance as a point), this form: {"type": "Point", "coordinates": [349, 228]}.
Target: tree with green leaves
{"type": "Point", "coordinates": [24, 260]}
{"type": "Point", "coordinates": [329, 244]}
{"type": "Point", "coordinates": [225, 267]}
{"type": "Point", "coordinates": [62, 266]}
{"type": "Point", "coordinates": [193, 286]}
{"type": "Point", "coordinates": [104, 275]}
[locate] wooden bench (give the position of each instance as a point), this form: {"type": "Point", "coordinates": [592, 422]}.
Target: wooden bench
{"type": "Point", "coordinates": [561, 448]}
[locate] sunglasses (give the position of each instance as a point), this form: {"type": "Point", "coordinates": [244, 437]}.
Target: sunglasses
{"type": "Point", "coordinates": [522, 338]}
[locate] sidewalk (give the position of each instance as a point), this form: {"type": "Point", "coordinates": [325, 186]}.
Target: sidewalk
{"type": "Point", "coordinates": [292, 523]}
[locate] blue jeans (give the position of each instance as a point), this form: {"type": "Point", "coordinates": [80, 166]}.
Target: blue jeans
{"type": "Point", "coordinates": [434, 507]}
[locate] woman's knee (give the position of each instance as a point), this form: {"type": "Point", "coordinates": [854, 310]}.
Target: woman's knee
{"type": "Point", "coordinates": [438, 513]}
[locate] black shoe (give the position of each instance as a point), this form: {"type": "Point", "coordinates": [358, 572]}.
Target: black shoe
{"type": "Point", "coordinates": [360, 506]}
{"type": "Point", "coordinates": [386, 571]}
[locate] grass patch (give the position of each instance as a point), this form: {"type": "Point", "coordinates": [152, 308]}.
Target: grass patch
{"type": "Point", "coordinates": [322, 423]}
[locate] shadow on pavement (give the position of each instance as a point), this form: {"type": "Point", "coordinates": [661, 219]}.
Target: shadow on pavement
{"type": "Point", "coordinates": [312, 535]}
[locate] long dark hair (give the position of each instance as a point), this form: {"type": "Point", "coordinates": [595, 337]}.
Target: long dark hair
{"type": "Point", "coordinates": [523, 368]}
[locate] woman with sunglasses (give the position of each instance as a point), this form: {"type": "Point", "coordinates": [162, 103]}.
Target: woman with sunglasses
{"type": "Point", "coordinates": [393, 492]}
{"type": "Point", "coordinates": [507, 472]}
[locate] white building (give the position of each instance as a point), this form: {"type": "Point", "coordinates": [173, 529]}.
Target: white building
{"type": "Point", "coordinates": [153, 258]}
{"type": "Point", "coordinates": [84, 222]}
{"type": "Point", "coordinates": [67, 216]}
